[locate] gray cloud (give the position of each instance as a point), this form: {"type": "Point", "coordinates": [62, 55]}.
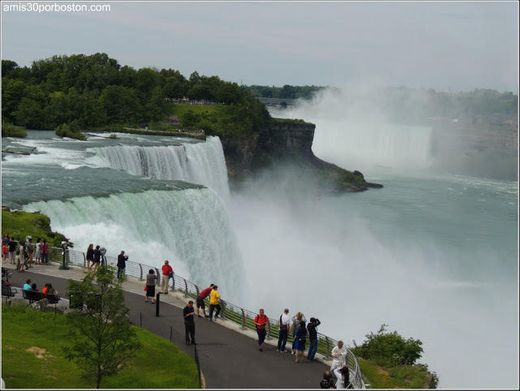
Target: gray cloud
{"type": "Point", "coordinates": [439, 45]}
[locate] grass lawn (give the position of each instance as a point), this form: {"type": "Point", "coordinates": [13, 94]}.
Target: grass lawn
{"type": "Point", "coordinates": [180, 109]}
{"type": "Point", "coordinates": [20, 224]}
{"type": "Point", "coordinates": [32, 356]}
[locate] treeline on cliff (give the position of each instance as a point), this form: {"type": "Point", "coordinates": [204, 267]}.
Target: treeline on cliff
{"type": "Point", "coordinates": [95, 91]}
{"type": "Point", "coordinates": [285, 92]}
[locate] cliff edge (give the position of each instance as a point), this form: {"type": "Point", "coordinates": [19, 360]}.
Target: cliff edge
{"type": "Point", "coordinates": [287, 141]}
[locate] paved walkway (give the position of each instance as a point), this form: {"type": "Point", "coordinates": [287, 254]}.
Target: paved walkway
{"type": "Point", "coordinates": [229, 356]}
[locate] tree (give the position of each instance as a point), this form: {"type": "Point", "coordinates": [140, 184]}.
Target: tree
{"type": "Point", "coordinates": [8, 66]}
{"type": "Point", "coordinates": [389, 348]}
{"type": "Point", "coordinates": [103, 338]}
{"type": "Point", "coordinates": [120, 104]}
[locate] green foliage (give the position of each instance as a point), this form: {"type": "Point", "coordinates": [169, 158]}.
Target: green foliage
{"type": "Point", "coordinates": [10, 130]}
{"type": "Point", "coordinates": [19, 224]}
{"type": "Point", "coordinates": [406, 376]}
{"type": "Point", "coordinates": [22, 369]}
{"type": "Point", "coordinates": [103, 339]}
{"type": "Point", "coordinates": [389, 348]}
{"type": "Point", "coordinates": [285, 92]}
{"type": "Point", "coordinates": [96, 91]}
{"type": "Point", "coordinates": [220, 120]}
{"type": "Point", "coordinates": [70, 130]}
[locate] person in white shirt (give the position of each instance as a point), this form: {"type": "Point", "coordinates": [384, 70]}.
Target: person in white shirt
{"type": "Point", "coordinates": [285, 323]}
{"type": "Point", "coordinates": [339, 356]}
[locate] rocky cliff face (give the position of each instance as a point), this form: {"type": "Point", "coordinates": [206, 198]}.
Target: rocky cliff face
{"type": "Point", "coordinates": [287, 141]}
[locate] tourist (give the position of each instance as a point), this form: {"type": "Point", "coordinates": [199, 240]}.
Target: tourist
{"type": "Point", "coordinates": [326, 381]}
{"type": "Point", "coordinates": [13, 244]}
{"type": "Point", "coordinates": [29, 251]}
{"type": "Point", "coordinates": [90, 257]}
{"type": "Point", "coordinates": [37, 252]}
{"type": "Point", "coordinates": [339, 356]}
{"type": "Point", "coordinates": [294, 324]}
{"type": "Point", "coordinates": [300, 337]}
{"type": "Point", "coordinates": [45, 252]}
{"type": "Point", "coordinates": [97, 258]}
{"type": "Point", "coordinates": [189, 323]}
{"type": "Point", "coordinates": [5, 250]}
{"type": "Point", "coordinates": [102, 256]}
{"type": "Point", "coordinates": [51, 291]}
{"type": "Point", "coordinates": [151, 280]}
{"type": "Point", "coordinates": [285, 322]}
{"type": "Point", "coordinates": [200, 300]}
{"type": "Point", "coordinates": [214, 298]}
{"type": "Point", "coordinates": [27, 285]}
{"type": "Point", "coordinates": [167, 273]}
{"type": "Point", "coordinates": [20, 256]}
{"type": "Point", "coordinates": [343, 376]}
{"type": "Point", "coordinates": [261, 322]}
{"type": "Point", "coordinates": [121, 265]}
{"type": "Point", "coordinates": [34, 287]}
{"type": "Point", "coordinates": [313, 337]}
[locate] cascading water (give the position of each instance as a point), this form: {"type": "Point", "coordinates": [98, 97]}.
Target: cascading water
{"type": "Point", "coordinates": [190, 227]}
{"type": "Point", "coordinates": [367, 144]}
{"type": "Point", "coordinates": [201, 163]}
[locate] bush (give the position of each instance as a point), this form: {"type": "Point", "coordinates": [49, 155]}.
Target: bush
{"type": "Point", "coordinates": [389, 348]}
{"type": "Point", "coordinates": [70, 130]}
{"type": "Point", "coordinates": [10, 130]}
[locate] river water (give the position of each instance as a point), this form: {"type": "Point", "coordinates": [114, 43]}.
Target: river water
{"type": "Point", "coordinates": [432, 254]}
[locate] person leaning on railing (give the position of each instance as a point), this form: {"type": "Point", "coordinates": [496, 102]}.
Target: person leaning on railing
{"type": "Point", "coordinates": [200, 300]}
{"type": "Point", "coordinates": [214, 302]}
{"type": "Point", "coordinates": [167, 273]}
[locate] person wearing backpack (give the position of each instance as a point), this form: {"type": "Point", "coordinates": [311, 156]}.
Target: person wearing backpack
{"type": "Point", "coordinates": [284, 322]}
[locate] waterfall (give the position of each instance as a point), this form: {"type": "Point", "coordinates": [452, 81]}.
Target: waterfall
{"type": "Point", "coordinates": [362, 145]}
{"type": "Point", "coordinates": [189, 227]}
{"type": "Point", "coordinates": [202, 163]}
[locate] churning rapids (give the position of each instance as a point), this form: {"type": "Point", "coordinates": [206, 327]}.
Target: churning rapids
{"type": "Point", "coordinates": [434, 256]}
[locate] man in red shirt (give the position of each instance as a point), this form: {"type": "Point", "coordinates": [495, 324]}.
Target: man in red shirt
{"type": "Point", "coordinates": [167, 273]}
{"type": "Point", "coordinates": [261, 322]}
{"type": "Point", "coordinates": [200, 300]}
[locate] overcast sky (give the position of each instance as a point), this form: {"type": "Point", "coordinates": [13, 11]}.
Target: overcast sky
{"type": "Point", "coordinates": [457, 46]}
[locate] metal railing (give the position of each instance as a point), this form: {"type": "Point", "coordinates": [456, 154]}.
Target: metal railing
{"type": "Point", "coordinates": [230, 311]}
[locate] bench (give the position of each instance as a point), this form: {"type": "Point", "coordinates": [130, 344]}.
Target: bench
{"type": "Point", "coordinates": [8, 292]}
{"type": "Point", "coordinates": [32, 296]}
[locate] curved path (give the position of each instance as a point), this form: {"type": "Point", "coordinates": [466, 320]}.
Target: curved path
{"type": "Point", "coordinates": [228, 359]}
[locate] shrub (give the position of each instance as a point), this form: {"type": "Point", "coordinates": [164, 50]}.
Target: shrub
{"type": "Point", "coordinates": [70, 130]}
{"type": "Point", "coordinates": [389, 348]}
{"type": "Point", "coordinates": [10, 130]}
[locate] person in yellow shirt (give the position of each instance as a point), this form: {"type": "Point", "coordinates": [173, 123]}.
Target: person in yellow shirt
{"type": "Point", "coordinates": [214, 298]}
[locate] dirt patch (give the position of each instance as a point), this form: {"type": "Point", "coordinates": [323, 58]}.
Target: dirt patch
{"type": "Point", "coordinates": [38, 352]}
